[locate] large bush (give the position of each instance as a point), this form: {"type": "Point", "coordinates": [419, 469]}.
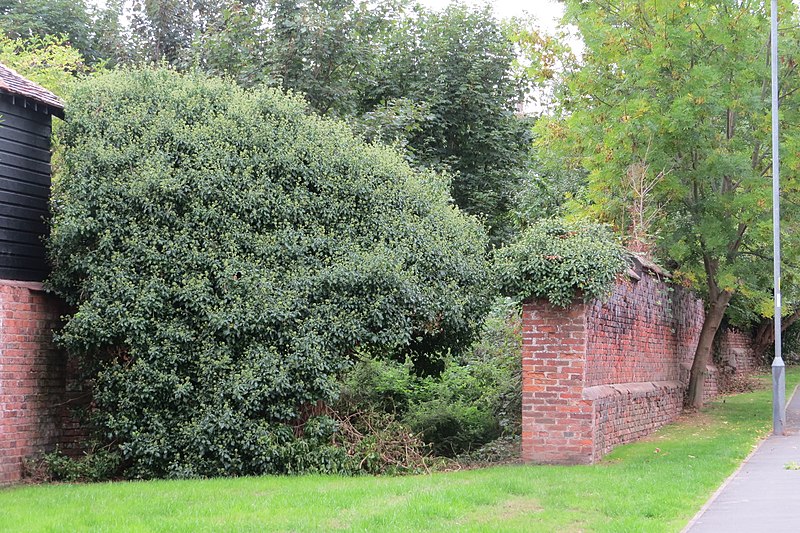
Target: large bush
{"type": "Point", "coordinates": [226, 253]}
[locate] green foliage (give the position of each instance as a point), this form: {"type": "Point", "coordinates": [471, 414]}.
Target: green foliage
{"type": "Point", "coordinates": [679, 93]}
{"type": "Point", "coordinates": [48, 61]}
{"type": "Point", "coordinates": [548, 191]}
{"type": "Point", "coordinates": [441, 85]}
{"type": "Point", "coordinates": [163, 30]}
{"type": "Point", "coordinates": [97, 465]}
{"type": "Point", "coordinates": [452, 428]}
{"type": "Point", "coordinates": [377, 384]}
{"type": "Point", "coordinates": [227, 253]}
{"type": "Point", "coordinates": [550, 185]}
{"type": "Point", "coordinates": [393, 122]}
{"type": "Point", "coordinates": [93, 31]}
{"type": "Point", "coordinates": [559, 261]}
{"type": "Point", "coordinates": [232, 44]}
{"type": "Point", "coordinates": [327, 49]}
{"type": "Point", "coordinates": [322, 49]}
{"type": "Point", "coordinates": [496, 360]}
{"type": "Point", "coordinates": [476, 399]}
{"type": "Point", "coordinates": [459, 64]}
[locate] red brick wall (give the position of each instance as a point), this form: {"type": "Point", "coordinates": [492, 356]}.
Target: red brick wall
{"type": "Point", "coordinates": [556, 421]}
{"type": "Point", "coordinates": [36, 392]}
{"type": "Point", "coordinates": [604, 373]}
{"type": "Point", "coordinates": [735, 351]}
{"type": "Point", "coordinates": [630, 411]}
{"type": "Point", "coordinates": [643, 332]}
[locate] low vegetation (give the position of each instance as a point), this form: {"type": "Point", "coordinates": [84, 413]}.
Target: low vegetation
{"type": "Point", "coordinates": [657, 484]}
{"type": "Point", "coordinates": [475, 399]}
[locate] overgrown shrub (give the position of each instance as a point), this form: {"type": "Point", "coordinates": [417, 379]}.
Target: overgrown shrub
{"type": "Point", "coordinates": [478, 398]}
{"type": "Point", "coordinates": [453, 427]}
{"type": "Point", "coordinates": [381, 385]}
{"type": "Point", "coordinates": [227, 253]}
{"type": "Point", "coordinates": [496, 358]}
{"type": "Point", "coordinates": [96, 465]}
{"type": "Point", "coordinates": [503, 450]}
{"type": "Point", "coordinates": [475, 400]}
{"type": "Point", "coordinates": [559, 260]}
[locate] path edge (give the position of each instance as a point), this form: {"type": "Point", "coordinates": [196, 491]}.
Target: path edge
{"type": "Point", "coordinates": [728, 480]}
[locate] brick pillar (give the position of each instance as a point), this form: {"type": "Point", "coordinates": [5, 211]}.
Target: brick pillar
{"type": "Point", "coordinates": [33, 377]}
{"type": "Point", "coordinates": [557, 423]}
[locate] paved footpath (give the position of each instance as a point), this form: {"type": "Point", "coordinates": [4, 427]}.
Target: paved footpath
{"type": "Point", "coordinates": [763, 495]}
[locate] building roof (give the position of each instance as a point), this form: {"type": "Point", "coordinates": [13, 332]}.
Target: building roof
{"type": "Point", "coordinates": [13, 83]}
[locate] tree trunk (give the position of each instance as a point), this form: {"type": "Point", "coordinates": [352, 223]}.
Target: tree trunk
{"type": "Point", "coordinates": [702, 356]}
{"type": "Point", "coordinates": [765, 333]}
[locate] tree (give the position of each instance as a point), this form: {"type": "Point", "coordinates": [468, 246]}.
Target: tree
{"type": "Point", "coordinates": [235, 45]}
{"type": "Point", "coordinates": [322, 49]}
{"type": "Point", "coordinates": [679, 91]}
{"type": "Point", "coordinates": [163, 30]}
{"type": "Point", "coordinates": [549, 187]}
{"type": "Point", "coordinates": [227, 254]}
{"type": "Point", "coordinates": [48, 61]}
{"type": "Point", "coordinates": [94, 32]}
{"type": "Point", "coordinates": [442, 84]}
{"type": "Point", "coordinates": [457, 65]}
{"type": "Point", "coordinates": [326, 50]}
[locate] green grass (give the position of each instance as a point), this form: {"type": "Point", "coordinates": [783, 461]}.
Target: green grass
{"type": "Point", "coordinates": [653, 485]}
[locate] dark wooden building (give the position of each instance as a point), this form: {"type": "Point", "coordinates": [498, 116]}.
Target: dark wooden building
{"type": "Point", "coordinates": [26, 110]}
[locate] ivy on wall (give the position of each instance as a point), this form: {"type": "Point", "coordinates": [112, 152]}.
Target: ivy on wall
{"type": "Point", "coordinates": [559, 261]}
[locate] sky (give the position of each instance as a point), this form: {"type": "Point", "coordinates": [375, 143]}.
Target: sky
{"type": "Point", "coordinates": [546, 11]}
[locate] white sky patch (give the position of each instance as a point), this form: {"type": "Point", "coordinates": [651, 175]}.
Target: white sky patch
{"type": "Point", "coordinates": [547, 12]}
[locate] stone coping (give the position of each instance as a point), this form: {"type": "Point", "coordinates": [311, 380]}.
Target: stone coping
{"type": "Point", "coordinates": [634, 389]}
{"type": "Point", "coordinates": [30, 285]}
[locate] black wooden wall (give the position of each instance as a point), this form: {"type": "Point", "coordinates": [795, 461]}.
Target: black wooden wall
{"type": "Point", "coordinates": [24, 189]}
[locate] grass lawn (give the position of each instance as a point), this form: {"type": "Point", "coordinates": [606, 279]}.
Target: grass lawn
{"type": "Point", "coordinates": [654, 485]}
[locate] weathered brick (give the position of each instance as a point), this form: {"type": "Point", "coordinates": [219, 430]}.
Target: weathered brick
{"type": "Point", "coordinates": [34, 378]}
{"type": "Point", "coordinates": [600, 374]}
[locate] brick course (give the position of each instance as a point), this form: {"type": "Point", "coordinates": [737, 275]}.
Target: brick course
{"type": "Point", "coordinates": [37, 387]}
{"type": "Point", "coordinates": [604, 373]}
{"type": "Point", "coordinates": [626, 412]}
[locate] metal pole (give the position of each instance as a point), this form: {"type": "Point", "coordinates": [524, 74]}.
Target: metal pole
{"type": "Point", "coordinates": [778, 368]}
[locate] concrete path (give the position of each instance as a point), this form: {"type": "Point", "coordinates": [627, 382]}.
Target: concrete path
{"type": "Point", "coordinates": [763, 495]}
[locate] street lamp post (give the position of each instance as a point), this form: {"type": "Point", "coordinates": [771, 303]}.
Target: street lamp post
{"type": "Point", "coordinates": [778, 367]}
